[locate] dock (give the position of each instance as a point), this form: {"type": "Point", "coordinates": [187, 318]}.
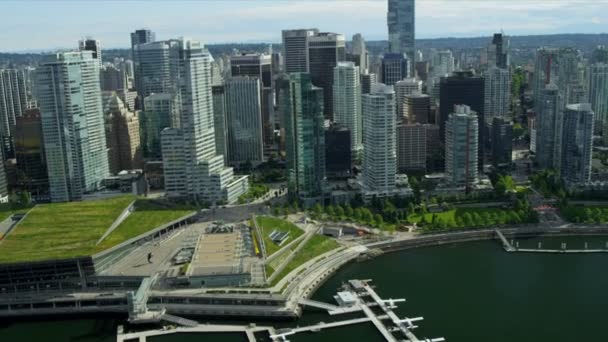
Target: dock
{"type": "Point", "coordinates": [508, 246]}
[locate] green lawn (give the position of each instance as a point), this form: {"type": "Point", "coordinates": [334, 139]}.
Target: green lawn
{"type": "Point", "coordinates": [316, 246]}
{"type": "Point", "coordinates": [61, 230]}
{"type": "Point", "coordinates": [471, 218]}
{"type": "Point", "coordinates": [268, 224]}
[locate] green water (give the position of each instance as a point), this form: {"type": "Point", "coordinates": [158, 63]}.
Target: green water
{"type": "Point", "coordinates": [466, 292]}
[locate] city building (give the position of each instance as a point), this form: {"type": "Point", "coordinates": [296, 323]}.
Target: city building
{"type": "Point", "coordinates": [463, 88]}
{"type": "Point", "coordinates": [295, 49]}
{"type": "Point", "coordinates": [90, 44]}
{"type": "Point", "coordinates": [245, 145]}
{"type": "Point", "coordinates": [301, 105]}
{"type": "Point", "coordinates": [142, 36]}
{"type": "Point", "coordinates": [338, 156]}
{"type": "Point", "coordinates": [192, 168]}
{"type": "Point", "coordinates": [367, 82]}
{"type": "Point", "coordinates": [577, 144]}
{"type": "Point", "coordinates": [29, 152]}
{"type": "Point", "coordinates": [549, 121]}
{"type": "Point", "coordinates": [69, 95]}
{"type": "Point", "coordinates": [325, 50]}
{"type": "Point", "coordinates": [598, 96]}
{"type": "Point", "coordinates": [218, 94]}
{"type": "Point", "coordinates": [161, 111]}
{"type": "Point", "coordinates": [411, 147]}
{"type": "Point", "coordinates": [13, 102]}
{"type": "Point", "coordinates": [417, 109]}
{"type": "Point", "coordinates": [403, 89]}
{"type": "Point", "coordinates": [122, 135]}
{"type": "Point", "coordinates": [394, 68]}
{"type": "Point", "coordinates": [401, 20]}
{"type": "Point", "coordinates": [380, 143]}
{"type": "Point", "coordinates": [497, 93]}
{"type": "Point", "coordinates": [502, 143]}
{"type": "Point", "coordinates": [498, 51]}
{"type": "Point", "coordinates": [360, 52]}
{"type": "Point", "coordinates": [347, 103]}
{"type": "Point", "coordinates": [113, 78]}
{"type": "Point", "coordinates": [555, 66]}
{"type": "Point", "coordinates": [152, 63]}
{"type": "Point", "coordinates": [461, 140]}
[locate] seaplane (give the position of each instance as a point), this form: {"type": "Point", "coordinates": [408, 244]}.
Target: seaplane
{"type": "Point", "coordinates": [390, 303]}
{"type": "Point", "coordinates": [440, 339]}
{"type": "Point", "coordinates": [410, 321]}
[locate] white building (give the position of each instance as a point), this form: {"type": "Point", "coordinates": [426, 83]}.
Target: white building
{"type": "Point", "coordinates": [347, 103]}
{"type": "Point", "coordinates": [195, 170]}
{"type": "Point", "coordinates": [598, 96]}
{"type": "Point", "coordinates": [497, 93]}
{"type": "Point", "coordinates": [72, 124]}
{"type": "Point", "coordinates": [403, 89]}
{"type": "Point", "coordinates": [461, 147]}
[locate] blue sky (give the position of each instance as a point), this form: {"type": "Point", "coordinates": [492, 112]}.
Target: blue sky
{"type": "Point", "coordinates": [33, 25]}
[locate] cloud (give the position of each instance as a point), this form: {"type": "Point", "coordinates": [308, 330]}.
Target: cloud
{"type": "Point", "coordinates": [596, 20]}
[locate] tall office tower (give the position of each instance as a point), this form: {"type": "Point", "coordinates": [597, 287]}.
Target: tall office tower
{"type": "Point", "coordinates": [411, 147]}
{"type": "Point", "coordinates": [380, 143]}
{"type": "Point", "coordinates": [128, 69]}
{"type": "Point", "coordinates": [599, 55]}
{"type": "Point", "coordinates": [153, 68]}
{"type": "Point", "coordinates": [72, 124]}
{"type": "Point", "coordinates": [260, 66]}
{"type": "Point", "coordinates": [29, 152]}
{"type": "Point", "coordinates": [557, 66]}
{"type": "Point", "coordinates": [463, 88]}
{"type": "Point", "coordinates": [301, 105]}
{"type": "Point", "coordinates": [347, 103]}
{"type": "Point", "coordinates": [244, 121]}
{"type": "Point", "coordinates": [461, 140]}
{"type": "Point", "coordinates": [295, 49]}
{"type": "Point", "coordinates": [443, 64]}
{"type": "Point", "coordinates": [122, 134]}
{"type": "Point", "coordinates": [598, 95]}
{"type": "Point", "coordinates": [13, 102]}
{"type": "Point", "coordinates": [498, 51]}
{"type": "Point", "coordinates": [417, 109]}
{"type": "Point", "coordinates": [394, 68]}
{"type": "Point", "coordinates": [359, 50]}
{"type": "Point", "coordinates": [90, 44]}
{"type": "Point", "coordinates": [338, 157]}
{"type": "Point", "coordinates": [141, 36]}
{"type": "Point", "coordinates": [502, 143]}
{"type": "Point", "coordinates": [367, 82]}
{"type": "Point", "coordinates": [577, 144]}
{"type": "Point", "coordinates": [549, 120]}
{"type": "Point", "coordinates": [218, 94]}
{"type": "Point", "coordinates": [112, 78]}
{"type": "Point", "coordinates": [193, 169]}
{"type": "Point", "coordinates": [403, 89]}
{"type": "Point", "coordinates": [422, 70]}
{"type": "Point", "coordinates": [401, 21]}
{"type": "Point", "coordinates": [497, 93]}
{"type": "Point", "coordinates": [325, 50]}
{"type": "Point", "coordinates": [161, 111]}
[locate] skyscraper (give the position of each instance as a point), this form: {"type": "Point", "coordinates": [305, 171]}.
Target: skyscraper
{"type": "Point", "coordinates": [556, 66]}
{"type": "Point", "coordinates": [29, 152]}
{"type": "Point", "coordinates": [325, 50]}
{"type": "Point", "coordinates": [219, 118]}
{"type": "Point", "coordinates": [13, 102]}
{"type": "Point", "coordinates": [142, 36]}
{"type": "Point", "coordinates": [193, 169]}
{"type": "Point", "coordinates": [295, 49]}
{"type": "Point", "coordinates": [301, 105]}
{"type": "Point", "coordinates": [498, 51]}
{"type": "Point", "coordinates": [401, 19]}
{"type": "Point", "coordinates": [598, 96]}
{"type": "Point", "coordinates": [497, 93]}
{"type": "Point", "coordinates": [380, 143]}
{"type": "Point", "coordinates": [122, 134]}
{"type": "Point", "coordinates": [502, 142]}
{"type": "Point", "coordinates": [403, 89]}
{"type": "Point", "coordinates": [367, 82]}
{"type": "Point", "coordinates": [461, 140]}
{"type": "Point", "coordinates": [338, 156]}
{"type": "Point", "coordinates": [245, 144]}
{"type": "Point", "coordinates": [161, 111]}
{"type": "Point", "coordinates": [549, 120]}
{"type": "Point", "coordinates": [90, 44]}
{"type": "Point", "coordinates": [153, 68]}
{"type": "Point", "coordinates": [411, 147]}
{"type": "Point", "coordinates": [347, 103]}
{"type": "Point", "coordinates": [577, 144]}
{"type": "Point", "coordinates": [112, 78]}
{"type": "Point", "coordinates": [359, 50]}
{"type": "Point", "coordinates": [73, 124]}
{"type": "Point", "coordinates": [394, 68]}
{"type": "Point", "coordinates": [417, 109]}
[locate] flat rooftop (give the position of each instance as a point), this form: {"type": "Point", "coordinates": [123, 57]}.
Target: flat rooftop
{"type": "Point", "coordinates": [217, 254]}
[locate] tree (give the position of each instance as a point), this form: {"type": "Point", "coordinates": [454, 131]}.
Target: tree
{"type": "Point", "coordinates": [366, 215]}
{"type": "Point", "coordinates": [467, 220]}
{"type": "Point", "coordinates": [348, 211]}
{"type": "Point", "coordinates": [330, 211]}
{"type": "Point", "coordinates": [339, 211]}
{"type": "Point", "coordinates": [378, 219]}
{"type": "Point", "coordinates": [317, 209]}
{"type": "Point", "coordinates": [357, 214]}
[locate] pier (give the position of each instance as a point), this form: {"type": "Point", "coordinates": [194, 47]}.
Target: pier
{"type": "Point", "coordinates": [508, 246]}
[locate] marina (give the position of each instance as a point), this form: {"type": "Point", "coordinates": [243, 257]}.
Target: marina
{"type": "Point", "coordinates": [513, 246]}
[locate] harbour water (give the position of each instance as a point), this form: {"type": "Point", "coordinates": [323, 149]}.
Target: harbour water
{"type": "Point", "coordinates": [466, 292]}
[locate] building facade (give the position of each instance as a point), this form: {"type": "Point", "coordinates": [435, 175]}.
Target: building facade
{"type": "Point", "coordinates": [411, 147]}
{"type": "Point", "coordinates": [161, 111]}
{"type": "Point", "coordinates": [577, 144]}
{"type": "Point", "coordinates": [122, 135]}
{"type": "Point", "coordinates": [295, 49]}
{"type": "Point", "coordinates": [417, 109]}
{"type": "Point", "coordinates": [401, 20]}
{"type": "Point", "coordinates": [461, 140]}
{"type": "Point", "coordinates": [497, 93]}
{"type": "Point", "coordinates": [502, 143]}
{"type": "Point", "coordinates": [549, 123]}
{"type": "Point", "coordinates": [347, 103]}
{"type": "Point", "coordinates": [394, 68]}
{"type": "Point", "coordinates": [325, 50]}
{"type": "Point", "coordinates": [13, 102]}
{"type": "Point", "coordinates": [598, 96]}
{"type": "Point", "coordinates": [29, 152]}
{"type": "Point", "coordinates": [403, 89]}
{"type": "Point", "coordinates": [338, 152]}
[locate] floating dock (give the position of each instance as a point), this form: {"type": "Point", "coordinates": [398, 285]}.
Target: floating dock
{"type": "Point", "coordinates": [508, 246]}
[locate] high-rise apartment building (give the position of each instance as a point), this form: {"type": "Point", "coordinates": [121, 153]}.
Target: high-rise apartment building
{"type": "Point", "coordinates": [29, 152]}
{"type": "Point", "coordinates": [301, 105]}
{"type": "Point", "coordinates": [403, 89]}
{"type": "Point", "coordinates": [295, 49]}
{"type": "Point", "coordinates": [113, 78]}
{"type": "Point", "coordinates": [461, 140]}
{"type": "Point", "coordinates": [367, 82]}
{"type": "Point", "coordinates": [338, 156]}
{"type": "Point", "coordinates": [360, 52]}
{"type": "Point", "coordinates": [192, 167]}
{"type": "Point", "coordinates": [556, 66]}
{"type": "Point", "coordinates": [498, 51]}
{"type": "Point", "coordinates": [417, 109]}
{"type": "Point", "coordinates": [411, 147]}
{"type": "Point", "coordinates": [122, 134]}
{"type": "Point", "coordinates": [69, 95]}
{"type": "Point", "coordinates": [497, 93]}
{"type": "Point", "coordinates": [245, 144]}
{"type": "Point", "coordinates": [153, 68]}
{"type": "Point", "coordinates": [219, 118]}
{"type": "Point", "coordinates": [598, 96]}
{"type": "Point", "coordinates": [549, 121]}
{"type": "Point", "coordinates": [502, 143]}
{"type": "Point", "coordinates": [325, 50]}
{"type": "Point", "coordinates": [401, 19]}
{"type": "Point", "coordinates": [161, 111]}
{"type": "Point", "coordinates": [577, 144]}
{"type": "Point", "coordinates": [394, 68]}
{"type": "Point", "coordinates": [380, 143]}
{"type": "Point", "coordinates": [347, 103]}
{"type": "Point", "coordinates": [13, 102]}
{"type": "Point", "coordinates": [142, 36]}
{"type": "Point", "coordinates": [90, 44]}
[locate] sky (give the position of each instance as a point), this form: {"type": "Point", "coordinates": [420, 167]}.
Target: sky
{"type": "Point", "coordinates": [52, 24]}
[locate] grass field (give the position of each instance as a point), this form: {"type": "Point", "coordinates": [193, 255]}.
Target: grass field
{"type": "Point", "coordinates": [472, 217]}
{"type": "Point", "coordinates": [268, 224]}
{"type": "Point", "coordinates": [316, 246]}
{"type": "Point", "coordinates": [61, 230]}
